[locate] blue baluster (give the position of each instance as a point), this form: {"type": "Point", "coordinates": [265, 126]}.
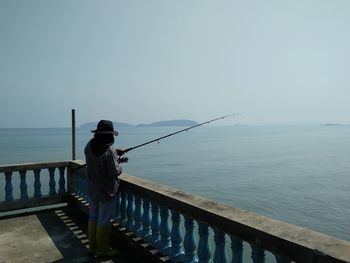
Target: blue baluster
{"type": "Point", "coordinates": [237, 249]}
{"type": "Point", "coordinates": [258, 254]}
{"type": "Point", "coordinates": [52, 182]}
{"type": "Point", "coordinates": [23, 185]}
{"type": "Point", "coordinates": [84, 186]}
{"type": "Point", "coordinates": [123, 207]}
{"type": "Point", "coordinates": [130, 211]}
{"type": "Point", "coordinates": [138, 215]}
{"type": "Point", "coordinates": [81, 185]}
{"type": "Point", "coordinates": [117, 206]}
{"type": "Point", "coordinates": [78, 183]}
{"type": "Point", "coordinates": [176, 252]}
{"type": "Point", "coordinates": [155, 225]}
{"type": "Point", "coordinates": [8, 187]}
{"type": "Point", "coordinates": [61, 182]}
{"type": "Point", "coordinates": [164, 230]}
{"type": "Point", "coordinates": [220, 251]}
{"type": "Point", "coordinates": [189, 241]}
{"type": "Point", "coordinates": [204, 251]}
{"type": "Point", "coordinates": [37, 183]}
{"type": "Point", "coordinates": [146, 220]}
{"type": "Point", "coordinates": [281, 259]}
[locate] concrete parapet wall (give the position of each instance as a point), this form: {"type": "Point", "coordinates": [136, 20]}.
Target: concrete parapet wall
{"type": "Point", "coordinates": [299, 244]}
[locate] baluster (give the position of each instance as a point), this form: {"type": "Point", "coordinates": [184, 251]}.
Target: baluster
{"type": "Point", "coordinates": [176, 252]}
{"type": "Point", "coordinates": [23, 186]}
{"type": "Point", "coordinates": [146, 220]}
{"type": "Point", "coordinates": [220, 251]}
{"type": "Point", "coordinates": [164, 230]}
{"type": "Point", "coordinates": [8, 187]}
{"type": "Point", "coordinates": [281, 259]}
{"type": "Point", "coordinates": [84, 186]}
{"type": "Point", "coordinates": [237, 249]}
{"type": "Point", "coordinates": [37, 183]}
{"type": "Point", "coordinates": [204, 251]}
{"type": "Point", "coordinates": [61, 182]}
{"type": "Point", "coordinates": [123, 206]}
{"type": "Point", "coordinates": [81, 185]}
{"type": "Point", "coordinates": [138, 215]}
{"type": "Point", "coordinates": [117, 206]}
{"type": "Point", "coordinates": [258, 254]}
{"type": "Point", "coordinates": [52, 182]}
{"type": "Point", "coordinates": [189, 241]}
{"type": "Point", "coordinates": [78, 183]}
{"type": "Point", "coordinates": [130, 211]}
{"type": "Point", "coordinates": [155, 238]}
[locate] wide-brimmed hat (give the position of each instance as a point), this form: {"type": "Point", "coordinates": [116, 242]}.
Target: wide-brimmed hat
{"type": "Point", "coordinates": [105, 127]}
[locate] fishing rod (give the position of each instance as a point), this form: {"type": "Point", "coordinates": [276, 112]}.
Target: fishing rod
{"type": "Point", "coordinates": [177, 132]}
{"type": "Point", "coordinates": [125, 159]}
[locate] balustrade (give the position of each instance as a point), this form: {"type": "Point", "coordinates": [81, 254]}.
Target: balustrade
{"type": "Point", "coordinates": [144, 209]}
{"type": "Point", "coordinates": [187, 228]}
{"type": "Point", "coordinates": [22, 196]}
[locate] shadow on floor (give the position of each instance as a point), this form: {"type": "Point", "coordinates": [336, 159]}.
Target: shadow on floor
{"type": "Point", "coordinates": [67, 228]}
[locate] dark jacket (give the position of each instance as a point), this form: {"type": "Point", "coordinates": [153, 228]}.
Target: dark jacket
{"type": "Point", "coordinates": [103, 171]}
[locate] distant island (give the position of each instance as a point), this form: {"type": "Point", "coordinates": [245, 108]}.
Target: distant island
{"type": "Point", "coordinates": [171, 123]}
{"type": "Point", "coordinates": [92, 125]}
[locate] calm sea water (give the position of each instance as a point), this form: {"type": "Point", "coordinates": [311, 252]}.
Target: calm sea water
{"type": "Point", "coordinates": [297, 174]}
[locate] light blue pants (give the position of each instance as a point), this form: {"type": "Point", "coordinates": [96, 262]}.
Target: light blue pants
{"type": "Point", "coordinates": [101, 212]}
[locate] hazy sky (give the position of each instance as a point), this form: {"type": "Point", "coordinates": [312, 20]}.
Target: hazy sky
{"type": "Point", "coordinates": [275, 61]}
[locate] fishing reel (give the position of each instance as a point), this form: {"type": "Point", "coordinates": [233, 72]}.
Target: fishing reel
{"type": "Point", "coordinates": [123, 159]}
{"type": "Point", "coordinates": [120, 153]}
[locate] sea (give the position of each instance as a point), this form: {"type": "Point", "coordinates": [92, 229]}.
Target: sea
{"type": "Point", "coordinates": [299, 174]}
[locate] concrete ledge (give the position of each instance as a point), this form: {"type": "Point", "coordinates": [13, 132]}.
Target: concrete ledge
{"type": "Point", "coordinates": [32, 166]}
{"type": "Point", "coordinates": [33, 202]}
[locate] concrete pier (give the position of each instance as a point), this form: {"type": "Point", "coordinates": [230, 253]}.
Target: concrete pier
{"type": "Point", "coordinates": [55, 235]}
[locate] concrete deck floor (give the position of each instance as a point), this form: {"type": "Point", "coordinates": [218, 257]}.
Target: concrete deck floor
{"type": "Point", "coordinates": [55, 235]}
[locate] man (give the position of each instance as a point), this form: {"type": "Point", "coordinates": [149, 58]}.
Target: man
{"type": "Point", "coordinates": [103, 169]}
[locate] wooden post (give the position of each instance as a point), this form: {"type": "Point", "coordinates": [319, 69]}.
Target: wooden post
{"type": "Point", "coordinates": [73, 135]}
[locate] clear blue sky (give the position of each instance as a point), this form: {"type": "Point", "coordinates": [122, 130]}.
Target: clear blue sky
{"type": "Point", "coordinates": [276, 61]}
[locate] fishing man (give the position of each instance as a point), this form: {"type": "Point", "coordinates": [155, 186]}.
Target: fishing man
{"type": "Point", "coordinates": [103, 170]}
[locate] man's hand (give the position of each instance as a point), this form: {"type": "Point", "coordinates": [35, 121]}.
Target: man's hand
{"type": "Point", "coordinates": [120, 152]}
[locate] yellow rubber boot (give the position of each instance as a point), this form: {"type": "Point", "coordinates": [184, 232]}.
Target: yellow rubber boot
{"type": "Point", "coordinates": [92, 237]}
{"type": "Point", "coordinates": [103, 242]}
